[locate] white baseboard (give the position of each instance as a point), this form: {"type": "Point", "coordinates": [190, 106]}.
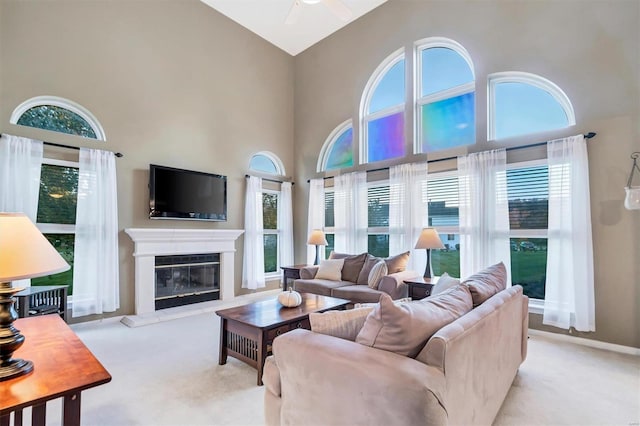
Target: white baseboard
{"type": "Point", "coordinates": [587, 342]}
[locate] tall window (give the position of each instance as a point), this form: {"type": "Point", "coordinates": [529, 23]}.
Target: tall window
{"type": "Point", "coordinates": [58, 115]}
{"type": "Point", "coordinates": [270, 224]}
{"type": "Point", "coordinates": [445, 96]}
{"type": "Point", "coordinates": [528, 192]}
{"type": "Point", "coordinates": [382, 111]}
{"type": "Point", "coordinates": [57, 215]}
{"type": "Point", "coordinates": [329, 220]}
{"type": "Point", "coordinates": [266, 162]}
{"type": "Point", "coordinates": [523, 103]}
{"type": "Point", "coordinates": [442, 197]}
{"type": "Point", "coordinates": [337, 151]}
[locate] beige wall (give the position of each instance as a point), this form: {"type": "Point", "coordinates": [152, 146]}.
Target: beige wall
{"type": "Point", "coordinates": [172, 83]}
{"type": "Point", "coordinates": [590, 49]}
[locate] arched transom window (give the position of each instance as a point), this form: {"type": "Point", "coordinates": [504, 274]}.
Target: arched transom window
{"type": "Point", "coordinates": [522, 103]}
{"type": "Point", "coordinates": [58, 115]}
{"type": "Point", "coordinates": [445, 96]}
{"type": "Point", "coordinates": [337, 151]}
{"type": "Point", "coordinates": [266, 162]}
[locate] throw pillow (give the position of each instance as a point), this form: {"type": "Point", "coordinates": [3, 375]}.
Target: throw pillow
{"type": "Point", "coordinates": [342, 324]}
{"type": "Point", "coordinates": [352, 267]}
{"type": "Point", "coordinates": [444, 282]}
{"type": "Point", "coordinates": [487, 282]}
{"type": "Point", "coordinates": [397, 263]}
{"type": "Point", "coordinates": [369, 263]}
{"type": "Point", "coordinates": [376, 274]}
{"type": "Point", "coordinates": [334, 255]}
{"type": "Point", "coordinates": [405, 328]}
{"type": "Point", "coordinates": [330, 269]}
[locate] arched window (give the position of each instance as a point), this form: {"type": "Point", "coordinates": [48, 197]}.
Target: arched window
{"type": "Point", "coordinates": [337, 151]}
{"type": "Point", "coordinates": [382, 111]}
{"type": "Point", "coordinates": [266, 162]}
{"type": "Point", "coordinates": [58, 115]}
{"type": "Point", "coordinates": [445, 96]}
{"type": "Point", "coordinates": [522, 103]}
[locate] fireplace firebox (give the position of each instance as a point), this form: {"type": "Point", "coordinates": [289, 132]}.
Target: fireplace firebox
{"type": "Point", "coordinates": [185, 279]}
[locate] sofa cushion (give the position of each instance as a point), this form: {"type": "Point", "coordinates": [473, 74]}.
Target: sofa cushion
{"type": "Point", "coordinates": [487, 282]}
{"type": "Point", "coordinates": [315, 286]}
{"type": "Point", "coordinates": [444, 282]}
{"type": "Point", "coordinates": [352, 267]}
{"type": "Point", "coordinates": [405, 328]}
{"type": "Point", "coordinates": [369, 263]}
{"type": "Point", "coordinates": [342, 324]}
{"type": "Point", "coordinates": [397, 263]}
{"type": "Point", "coordinates": [357, 293]}
{"type": "Point", "coordinates": [330, 270]}
{"type": "Point", "coordinates": [376, 274]}
{"type": "Point", "coordinates": [335, 255]}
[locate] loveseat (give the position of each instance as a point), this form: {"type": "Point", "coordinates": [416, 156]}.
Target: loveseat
{"type": "Point", "coordinates": [459, 376]}
{"type": "Point", "coordinates": [354, 283]}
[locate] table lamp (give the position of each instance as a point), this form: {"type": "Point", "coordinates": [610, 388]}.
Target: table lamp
{"type": "Point", "coordinates": [429, 239]}
{"type": "Point", "coordinates": [24, 253]}
{"type": "Point", "coordinates": [317, 238]}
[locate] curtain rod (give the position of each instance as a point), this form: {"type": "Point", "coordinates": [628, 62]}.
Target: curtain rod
{"type": "Point", "coordinates": [77, 148]}
{"type": "Point", "coordinates": [270, 180]}
{"type": "Point", "coordinates": [586, 136]}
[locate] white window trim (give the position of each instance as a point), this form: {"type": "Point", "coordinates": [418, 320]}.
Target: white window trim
{"type": "Point", "coordinates": [62, 103]}
{"type": "Point", "coordinates": [525, 78]}
{"type": "Point", "coordinates": [418, 99]}
{"type": "Point", "coordinates": [327, 147]}
{"type": "Point", "coordinates": [367, 94]}
{"type": "Point", "coordinates": [280, 171]}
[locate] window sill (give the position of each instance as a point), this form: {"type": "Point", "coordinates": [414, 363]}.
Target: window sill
{"type": "Point", "coordinates": [536, 306]}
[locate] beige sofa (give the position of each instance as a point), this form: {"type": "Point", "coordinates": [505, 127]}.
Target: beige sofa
{"type": "Point", "coordinates": [460, 377]}
{"type": "Point", "coordinates": [354, 285]}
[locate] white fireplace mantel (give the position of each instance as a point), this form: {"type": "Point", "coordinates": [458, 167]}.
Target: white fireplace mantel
{"type": "Point", "coordinates": [152, 242]}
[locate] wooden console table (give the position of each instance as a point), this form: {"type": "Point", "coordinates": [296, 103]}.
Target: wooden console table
{"type": "Point", "coordinates": [247, 332]}
{"type": "Point", "coordinates": [63, 368]}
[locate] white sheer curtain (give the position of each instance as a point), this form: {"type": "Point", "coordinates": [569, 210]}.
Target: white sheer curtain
{"type": "Point", "coordinates": [407, 211]}
{"type": "Point", "coordinates": [350, 207]}
{"type": "Point", "coordinates": [96, 283]}
{"type": "Point", "coordinates": [569, 293]}
{"type": "Point", "coordinates": [253, 259]}
{"type": "Point", "coordinates": [20, 165]}
{"type": "Point", "coordinates": [285, 225]}
{"type": "Point", "coordinates": [315, 218]}
{"type": "Point", "coordinates": [484, 212]}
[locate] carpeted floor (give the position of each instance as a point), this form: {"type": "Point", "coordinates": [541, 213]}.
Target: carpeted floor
{"type": "Point", "coordinates": [168, 374]}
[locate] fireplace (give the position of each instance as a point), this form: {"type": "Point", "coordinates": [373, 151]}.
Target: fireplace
{"type": "Point", "coordinates": [187, 278]}
{"type": "Point", "coordinates": [152, 243]}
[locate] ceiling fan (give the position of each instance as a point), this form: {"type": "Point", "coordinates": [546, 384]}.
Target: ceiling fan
{"type": "Point", "coordinates": [337, 7]}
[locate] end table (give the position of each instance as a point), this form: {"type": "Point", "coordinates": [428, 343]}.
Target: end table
{"type": "Point", "coordinates": [420, 287]}
{"type": "Point", "coordinates": [291, 272]}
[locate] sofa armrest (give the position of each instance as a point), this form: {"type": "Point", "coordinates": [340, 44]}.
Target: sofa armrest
{"type": "Point", "coordinates": [308, 272]}
{"type": "Point", "coordinates": [393, 284]}
{"type": "Point", "coordinates": [338, 381]}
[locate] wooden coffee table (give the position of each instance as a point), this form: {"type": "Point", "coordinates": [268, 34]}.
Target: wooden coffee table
{"type": "Point", "coordinates": [247, 332]}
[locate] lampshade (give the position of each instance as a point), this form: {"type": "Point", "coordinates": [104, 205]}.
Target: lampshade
{"type": "Point", "coordinates": [429, 239]}
{"type": "Point", "coordinates": [317, 238]}
{"type": "Point", "coordinates": [24, 251]}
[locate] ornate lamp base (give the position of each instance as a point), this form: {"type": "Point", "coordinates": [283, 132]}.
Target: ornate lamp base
{"type": "Point", "coordinates": [10, 337]}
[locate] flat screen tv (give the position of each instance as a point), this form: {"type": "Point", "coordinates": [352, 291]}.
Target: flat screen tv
{"type": "Point", "coordinates": [186, 194]}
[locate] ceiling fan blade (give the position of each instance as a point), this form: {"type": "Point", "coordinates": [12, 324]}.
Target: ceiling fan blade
{"type": "Point", "coordinates": [338, 8]}
{"type": "Point", "coordinates": [294, 13]}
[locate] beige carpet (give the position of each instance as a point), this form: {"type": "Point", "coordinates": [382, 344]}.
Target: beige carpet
{"type": "Point", "coordinates": [168, 374]}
